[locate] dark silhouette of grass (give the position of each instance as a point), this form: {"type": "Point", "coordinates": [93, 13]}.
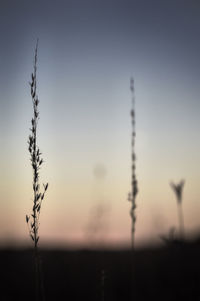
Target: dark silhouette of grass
{"type": "Point", "coordinates": [38, 196]}
{"type": "Point", "coordinates": [171, 272]}
{"type": "Point", "coordinates": [134, 190]}
{"type": "Point", "coordinates": [134, 184]}
{"type": "Point", "coordinates": [178, 190]}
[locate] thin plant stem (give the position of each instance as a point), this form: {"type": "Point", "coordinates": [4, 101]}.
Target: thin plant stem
{"type": "Point", "coordinates": [134, 184]}
{"type": "Point", "coordinates": [134, 191]}
{"type": "Point", "coordinates": [181, 220]}
{"type": "Point", "coordinates": [38, 196]}
{"type": "Point", "coordinates": [178, 190]}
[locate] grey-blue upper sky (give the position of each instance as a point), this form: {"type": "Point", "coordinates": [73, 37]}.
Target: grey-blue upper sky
{"type": "Point", "coordinates": [90, 47]}
{"type": "Point", "coordinates": [152, 39]}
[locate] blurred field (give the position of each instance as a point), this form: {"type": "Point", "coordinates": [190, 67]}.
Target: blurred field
{"type": "Point", "coordinates": [171, 272]}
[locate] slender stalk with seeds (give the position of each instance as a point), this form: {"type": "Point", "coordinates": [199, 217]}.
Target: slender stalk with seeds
{"type": "Point", "coordinates": [178, 190]}
{"type": "Point", "coordinates": [134, 184]}
{"type": "Point", "coordinates": [36, 162]}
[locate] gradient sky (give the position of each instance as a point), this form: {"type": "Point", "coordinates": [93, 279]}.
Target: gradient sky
{"type": "Point", "coordinates": [88, 50]}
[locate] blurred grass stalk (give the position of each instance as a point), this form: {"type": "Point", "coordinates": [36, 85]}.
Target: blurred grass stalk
{"type": "Point", "coordinates": [38, 196]}
{"type": "Point", "coordinates": [178, 190]}
{"type": "Point", "coordinates": [134, 184]}
{"type": "Point", "coordinates": [133, 193]}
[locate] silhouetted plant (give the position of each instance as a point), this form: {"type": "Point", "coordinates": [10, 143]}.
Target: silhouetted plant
{"type": "Point", "coordinates": [33, 220]}
{"type": "Point", "coordinates": [178, 190]}
{"type": "Point", "coordinates": [134, 184]}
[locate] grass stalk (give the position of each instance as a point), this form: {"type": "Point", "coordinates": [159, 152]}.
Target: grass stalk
{"type": "Point", "coordinates": [134, 184]}
{"type": "Point", "coordinates": [132, 195]}
{"type": "Point", "coordinates": [178, 190]}
{"type": "Point", "coordinates": [33, 220]}
{"type": "Point", "coordinates": [181, 220]}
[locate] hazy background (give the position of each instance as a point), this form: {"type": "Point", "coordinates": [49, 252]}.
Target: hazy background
{"type": "Point", "coordinates": [87, 52]}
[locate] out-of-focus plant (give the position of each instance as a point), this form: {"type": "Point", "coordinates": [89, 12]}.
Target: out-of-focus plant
{"type": "Point", "coordinates": [134, 183]}
{"type": "Point", "coordinates": [178, 190]}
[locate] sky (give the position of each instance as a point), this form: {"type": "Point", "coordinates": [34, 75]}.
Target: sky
{"type": "Point", "coordinates": [87, 52]}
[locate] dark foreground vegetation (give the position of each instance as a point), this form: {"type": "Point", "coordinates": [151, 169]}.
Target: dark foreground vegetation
{"type": "Point", "coordinates": [171, 272]}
